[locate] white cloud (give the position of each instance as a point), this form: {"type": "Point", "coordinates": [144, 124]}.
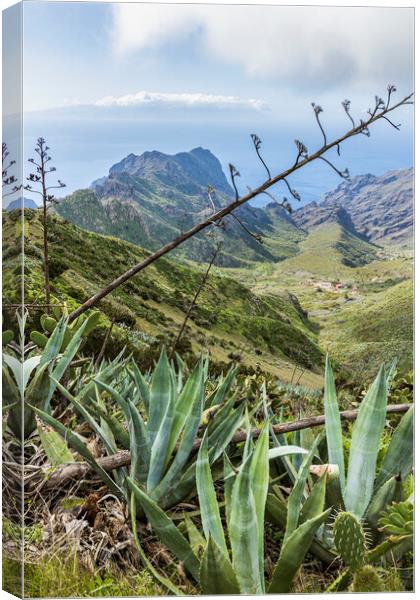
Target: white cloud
{"type": "Point", "coordinates": [299, 45]}
{"type": "Point", "coordinates": [144, 98]}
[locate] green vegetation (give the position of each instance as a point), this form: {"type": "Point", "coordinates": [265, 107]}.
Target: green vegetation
{"type": "Point", "coordinates": [330, 251]}
{"type": "Point", "coordinates": [363, 333]}
{"type": "Point", "coordinates": [270, 331]}
{"type": "Point", "coordinates": [193, 479]}
{"type": "Point", "coordinates": [208, 510]}
{"type": "Point", "coordinates": [65, 576]}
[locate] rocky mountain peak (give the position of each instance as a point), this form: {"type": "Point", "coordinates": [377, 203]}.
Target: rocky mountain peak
{"type": "Point", "coordinates": [190, 170]}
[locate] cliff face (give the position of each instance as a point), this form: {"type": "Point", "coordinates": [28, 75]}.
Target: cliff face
{"type": "Point", "coordinates": [381, 208]}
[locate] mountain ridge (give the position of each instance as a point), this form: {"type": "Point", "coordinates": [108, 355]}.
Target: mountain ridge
{"type": "Point", "coordinates": [381, 207]}
{"type": "Point", "coordinates": [151, 198]}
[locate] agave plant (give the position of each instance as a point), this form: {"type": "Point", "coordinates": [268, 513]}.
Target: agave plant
{"type": "Point", "coordinates": [32, 382]}
{"type": "Point", "coordinates": [366, 490]}
{"type": "Point", "coordinates": [157, 419]}
{"type": "Point", "coordinates": [233, 557]}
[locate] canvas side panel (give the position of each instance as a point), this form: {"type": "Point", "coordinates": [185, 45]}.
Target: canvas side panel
{"type": "Point", "coordinates": [12, 289]}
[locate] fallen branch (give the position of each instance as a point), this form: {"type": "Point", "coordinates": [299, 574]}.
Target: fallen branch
{"type": "Point", "coordinates": [75, 471]}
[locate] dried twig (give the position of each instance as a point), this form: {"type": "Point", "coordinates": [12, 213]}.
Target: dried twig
{"type": "Point", "coordinates": [255, 236]}
{"type": "Point", "coordinates": [257, 145]}
{"type": "Point", "coordinates": [194, 300]}
{"type": "Point", "coordinates": [8, 180]}
{"type": "Point", "coordinates": [105, 342]}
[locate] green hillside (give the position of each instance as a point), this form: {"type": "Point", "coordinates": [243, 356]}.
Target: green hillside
{"type": "Point", "coordinates": [330, 251]}
{"type": "Point", "coordinates": [377, 328]}
{"type": "Point", "coordinates": [229, 320]}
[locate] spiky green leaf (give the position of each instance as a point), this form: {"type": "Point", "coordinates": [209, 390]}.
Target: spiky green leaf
{"type": "Point", "coordinates": [166, 530]}
{"type": "Point", "coordinates": [216, 572]}
{"type": "Point", "coordinates": [364, 447]}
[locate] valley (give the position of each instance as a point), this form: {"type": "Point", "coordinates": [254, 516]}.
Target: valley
{"type": "Point", "coordinates": [333, 276]}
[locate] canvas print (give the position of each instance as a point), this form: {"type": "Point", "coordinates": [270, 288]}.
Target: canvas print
{"type": "Point", "coordinates": [207, 299]}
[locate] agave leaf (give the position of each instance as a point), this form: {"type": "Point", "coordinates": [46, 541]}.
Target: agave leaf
{"type": "Point", "coordinates": [293, 552]}
{"type": "Point", "coordinates": [161, 395]}
{"type": "Point", "coordinates": [398, 459]}
{"type": "Point", "coordinates": [35, 394]}
{"type": "Point", "coordinates": [314, 504]}
{"type": "Point", "coordinates": [108, 442]}
{"type": "Point", "coordinates": [38, 387]}
{"type": "Point", "coordinates": [364, 447]}
{"type": "Point", "coordinates": [16, 367]}
{"type": "Point", "coordinates": [216, 573]}
{"type": "Point", "coordinates": [285, 451]}
{"type": "Point", "coordinates": [140, 448]}
{"type": "Point", "coordinates": [10, 389]}
{"type": "Point", "coordinates": [63, 362]}
{"type": "Point", "coordinates": [243, 533]}
{"type": "Point", "coordinates": [114, 425]}
{"type": "Point", "coordinates": [334, 494]}
{"type": "Point", "coordinates": [210, 515]}
{"type": "Point", "coordinates": [285, 461]}
{"type": "Point", "coordinates": [220, 437]}
{"type": "Point", "coordinates": [218, 396]}
{"type": "Point", "coordinates": [392, 371]}
{"type": "Point", "coordinates": [53, 346]}
{"type": "Point", "coordinates": [333, 424]}
{"type": "Point", "coordinates": [166, 530]}
{"type": "Point", "coordinates": [159, 447]}
{"type": "Point", "coordinates": [276, 510]}
{"type": "Point", "coordinates": [21, 370]}
{"type": "Point", "coordinates": [296, 495]}
{"type": "Point", "coordinates": [183, 453]}
{"type": "Point", "coordinates": [382, 498]}
{"type": "Point", "coordinates": [142, 385]}
{"type": "Point", "coordinates": [197, 541]}
{"type": "Point", "coordinates": [184, 405]}
{"type": "Point", "coordinates": [163, 580]}
{"type": "Point", "coordinates": [259, 474]}
{"type": "Point", "coordinates": [54, 446]}
{"type": "Point", "coordinates": [229, 480]}
{"type": "Point", "coordinates": [105, 374]}
{"type": "Point", "coordinates": [122, 403]}
{"type": "Point", "coordinates": [80, 447]}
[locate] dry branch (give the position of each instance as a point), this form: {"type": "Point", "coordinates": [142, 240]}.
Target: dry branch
{"type": "Point", "coordinates": [75, 471]}
{"type": "Point", "coordinates": [223, 212]}
{"type": "Point", "coordinates": [194, 300]}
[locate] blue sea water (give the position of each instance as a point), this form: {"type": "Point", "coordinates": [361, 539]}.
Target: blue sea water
{"type": "Point", "coordinates": [83, 149]}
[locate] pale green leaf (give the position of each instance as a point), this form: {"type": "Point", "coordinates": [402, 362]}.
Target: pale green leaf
{"type": "Point", "coordinates": [364, 448]}
{"type": "Point", "coordinates": [216, 573]}
{"type": "Point", "coordinates": [333, 424]}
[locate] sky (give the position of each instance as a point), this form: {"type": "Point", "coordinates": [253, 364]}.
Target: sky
{"type": "Point", "coordinates": [102, 80]}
